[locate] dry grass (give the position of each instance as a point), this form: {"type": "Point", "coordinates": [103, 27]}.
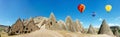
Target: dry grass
{"type": "Point", "coordinates": [3, 34]}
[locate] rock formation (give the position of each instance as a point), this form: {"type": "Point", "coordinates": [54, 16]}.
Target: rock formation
{"type": "Point", "coordinates": [79, 26]}
{"type": "Point", "coordinates": [53, 22]}
{"type": "Point", "coordinates": [116, 33]}
{"type": "Point", "coordinates": [62, 25]}
{"type": "Point", "coordinates": [43, 23]}
{"type": "Point", "coordinates": [30, 27]}
{"type": "Point", "coordinates": [69, 24]}
{"type": "Point", "coordinates": [105, 29]}
{"type": "Point", "coordinates": [17, 28]}
{"type": "Point", "coordinates": [91, 30]}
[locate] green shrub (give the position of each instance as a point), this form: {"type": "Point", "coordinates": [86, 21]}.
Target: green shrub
{"type": "Point", "coordinates": [119, 31]}
{"type": "Point", "coordinates": [1, 29]}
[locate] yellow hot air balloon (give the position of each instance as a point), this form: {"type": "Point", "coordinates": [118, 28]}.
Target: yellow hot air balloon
{"type": "Point", "coordinates": [108, 8]}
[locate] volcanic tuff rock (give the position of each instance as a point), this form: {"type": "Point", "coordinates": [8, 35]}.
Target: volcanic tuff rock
{"type": "Point", "coordinates": [16, 28]}
{"type": "Point", "coordinates": [116, 33]}
{"type": "Point", "coordinates": [80, 28]}
{"type": "Point", "coordinates": [105, 29]}
{"type": "Point", "coordinates": [20, 28]}
{"type": "Point", "coordinates": [39, 23]}
{"type": "Point", "coordinates": [91, 30]}
{"type": "Point", "coordinates": [69, 23]}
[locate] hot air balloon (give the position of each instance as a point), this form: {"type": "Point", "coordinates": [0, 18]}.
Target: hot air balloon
{"type": "Point", "coordinates": [81, 7]}
{"type": "Point", "coordinates": [108, 8]}
{"type": "Point", "coordinates": [93, 14]}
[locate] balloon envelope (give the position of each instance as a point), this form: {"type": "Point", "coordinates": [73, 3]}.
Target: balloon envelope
{"type": "Point", "coordinates": [81, 7]}
{"type": "Point", "coordinates": [108, 8]}
{"type": "Point", "coordinates": [93, 14]}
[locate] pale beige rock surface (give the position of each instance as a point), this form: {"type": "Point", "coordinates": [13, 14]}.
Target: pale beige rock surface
{"type": "Point", "coordinates": [51, 33]}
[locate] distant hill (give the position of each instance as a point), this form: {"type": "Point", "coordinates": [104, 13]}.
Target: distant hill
{"type": "Point", "coordinates": [113, 28]}
{"type": "Point", "coordinates": [2, 27]}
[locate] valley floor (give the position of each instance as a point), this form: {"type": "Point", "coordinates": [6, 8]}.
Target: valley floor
{"type": "Point", "coordinates": [51, 33]}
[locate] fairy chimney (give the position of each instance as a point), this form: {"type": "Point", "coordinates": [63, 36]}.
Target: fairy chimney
{"type": "Point", "coordinates": [91, 30]}
{"type": "Point", "coordinates": [74, 27]}
{"type": "Point", "coordinates": [52, 17]}
{"type": "Point", "coordinates": [62, 25]}
{"type": "Point", "coordinates": [79, 26]}
{"type": "Point", "coordinates": [17, 28]}
{"type": "Point", "coordinates": [69, 23]}
{"type": "Point", "coordinates": [30, 27]}
{"type": "Point", "coordinates": [105, 29]}
{"type": "Point", "coordinates": [44, 22]}
{"type": "Point", "coordinates": [53, 22]}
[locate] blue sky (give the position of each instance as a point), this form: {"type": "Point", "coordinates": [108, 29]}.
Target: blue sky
{"type": "Point", "coordinates": [11, 10]}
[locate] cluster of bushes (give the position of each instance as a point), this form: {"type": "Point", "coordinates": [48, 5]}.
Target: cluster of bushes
{"type": "Point", "coordinates": [119, 31]}
{"type": "Point", "coordinates": [1, 29]}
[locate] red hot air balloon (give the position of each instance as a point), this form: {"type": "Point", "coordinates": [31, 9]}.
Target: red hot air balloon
{"type": "Point", "coordinates": [81, 7]}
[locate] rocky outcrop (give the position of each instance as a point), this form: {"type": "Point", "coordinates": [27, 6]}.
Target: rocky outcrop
{"type": "Point", "coordinates": [69, 24]}
{"type": "Point", "coordinates": [79, 26]}
{"type": "Point", "coordinates": [105, 29]}
{"type": "Point", "coordinates": [53, 22]}
{"type": "Point", "coordinates": [116, 33]}
{"type": "Point", "coordinates": [21, 27]}
{"type": "Point", "coordinates": [30, 27]}
{"type": "Point", "coordinates": [91, 30]}
{"type": "Point", "coordinates": [16, 28]}
{"type": "Point", "coordinates": [43, 23]}
{"type": "Point", "coordinates": [62, 25]}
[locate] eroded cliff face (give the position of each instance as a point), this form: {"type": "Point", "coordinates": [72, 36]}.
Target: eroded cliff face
{"type": "Point", "coordinates": [52, 24]}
